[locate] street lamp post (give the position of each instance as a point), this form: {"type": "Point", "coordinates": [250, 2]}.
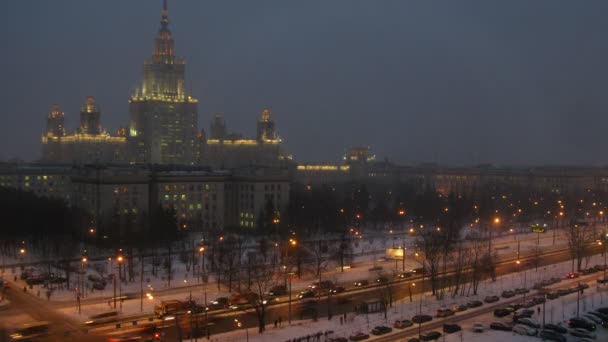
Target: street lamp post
{"type": "Point", "coordinates": [119, 259]}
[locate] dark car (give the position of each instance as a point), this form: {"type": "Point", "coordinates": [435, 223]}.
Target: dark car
{"type": "Point", "coordinates": [413, 340]}
{"type": "Point", "coordinates": [508, 294]}
{"type": "Point", "coordinates": [491, 299]}
{"type": "Point", "coordinates": [602, 280]}
{"type": "Point", "coordinates": [521, 290]}
{"type": "Point", "coordinates": [581, 323]}
{"type": "Point", "coordinates": [599, 315]}
{"type": "Point", "coordinates": [523, 313]}
{"type": "Point", "coordinates": [444, 313]}
{"type": "Point", "coordinates": [500, 326]}
{"type": "Point", "coordinates": [306, 294]}
{"type": "Point", "coordinates": [578, 332]}
{"type": "Point", "coordinates": [381, 280]}
{"type": "Point", "coordinates": [528, 304]}
{"type": "Point", "coordinates": [381, 330]}
{"type": "Point", "coordinates": [338, 339]}
{"type": "Point", "coordinates": [556, 328]}
{"type": "Point", "coordinates": [502, 312]}
{"type": "Point", "coordinates": [430, 336]}
{"type": "Point", "coordinates": [402, 323]}
{"type": "Point", "coordinates": [603, 310]}
{"type": "Point", "coordinates": [538, 299]}
{"type": "Point", "coordinates": [528, 322]}
{"type": "Point", "coordinates": [474, 304]}
{"type": "Point", "coordinates": [563, 292]}
{"type": "Point", "coordinates": [98, 285]}
{"type": "Point", "coordinates": [418, 319]}
{"type": "Point", "coordinates": [459, 308]}
{"type": "Point", "coordinates": [552, 295]}
{"type": "Point", "coordinates": [337, 289]}
{"type": "Point", "coordinates": [279, 290]}
{"type": "Point", "coordinates": [358, 336]}
{"type": "Point", "coordinates": [451, 328]}
{"type": "Point", "coordinates": [551, 335]}
{"type": "Point", "coordinates": [513, 307]}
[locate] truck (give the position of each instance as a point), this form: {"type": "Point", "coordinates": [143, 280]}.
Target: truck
{"type": "Point", "coordinates": [170, 307]}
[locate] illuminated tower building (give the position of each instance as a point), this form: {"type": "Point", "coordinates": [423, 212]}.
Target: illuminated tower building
{"type": "Point", "coordinates": [90, 118]}
{"type": "Point", "coordinates": [266, 127]}
{"type": "Point", "coordinates": [164, 120]}
{"type": "Point", "coordinates": [54, 122]}
{"type": "Point", "coordinates": [55, 130]}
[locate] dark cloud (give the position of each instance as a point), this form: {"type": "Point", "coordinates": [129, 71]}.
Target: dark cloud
{"type": "Point", "coordinates": [451, 81]}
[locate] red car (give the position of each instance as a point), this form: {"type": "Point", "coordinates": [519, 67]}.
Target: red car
{"type": "Point", "coordinates": [572, 275]}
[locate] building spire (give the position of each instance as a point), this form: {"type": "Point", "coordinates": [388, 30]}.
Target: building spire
{"type": "Point", "coordinates": [164, 15]}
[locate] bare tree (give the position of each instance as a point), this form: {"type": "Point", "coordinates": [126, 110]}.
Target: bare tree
{"type": "Point", "coordinates": [578, 237]}
{"type": "Point", "coordinates": [263, 278]}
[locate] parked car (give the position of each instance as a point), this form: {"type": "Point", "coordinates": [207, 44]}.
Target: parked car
{"type": "Point", "coordinates": [579, 332]}
{"type": "Point", "coordinates": [402, 323]}
{"type": "Point", "coordinates": [602, 280]}
{"type": "Point", "coordinates": [421, 318]}
{"type": "Point", "coordinates": [500, 326]}
{"type": "Point", "coordinates": [523, 313]}
{"type": "Point", "coordinates": [563, 292]}
{"type": "Point", "coordinates": [552, 295]}
{"type": "Point", "coordinates": [491, 299]}
{"type": "Point", "coordinates": [521, 290]}
{"type": "Point", "coordinates": [502, 312]}
{"type": "Point", "coordinates": [528, 304]}
{"type": "Point", "coordinates": [381, 330]}
{"type": "Point", "coordinates": [556, 328]}
{"type": "Point", "coordinates": [603, 310]}
{"type": "Point", "coordinates": [575, 322]}
{"type": "Point", "coordinates": [592, 318]}
{"type": "Point", "coordinates": [98, 285]}
{"type": "Point", "coordinates": [508, 294]}
{"type": "Point", "coordinates": [524, 330]}
{"type": "Point", "coordinates": [513, 307]}
{"type": "Point", "coordinates": [477, 327]}
{"type": "Point", "coordinates": [532, 323]}
{"type": "Point", "coordinates": [451, 328]}
{"type": "Point", "coordinates": [358, 336]}
{"type": "Point", "coordinates": [474, 304]}
{"type": "Point", "coordinates": [430, 336]}
{"type": "Point", "coordinates": [599, 315]}
{"type": "Point", "coordinates": [414, 339]}
{"type": "Point", "coordinates": [338, 339]}
{"type": "Point", "coordinates": [551, 335]}
{"type": "Point", "coordinates": [444, 313]}
{"type": "Point", "coordinates": [459, 308]}
{"type": "Point", "coordinates": [538, 299]}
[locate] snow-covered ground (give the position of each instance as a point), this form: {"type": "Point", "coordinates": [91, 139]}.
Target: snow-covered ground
{"type": "Point", "coordinates": [558, 312]}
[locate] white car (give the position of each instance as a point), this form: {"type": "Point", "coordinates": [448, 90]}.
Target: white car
{"type": "Point", "coordinates": [478, 327]}
{"type": "Point", "coordinates": [524, 330]}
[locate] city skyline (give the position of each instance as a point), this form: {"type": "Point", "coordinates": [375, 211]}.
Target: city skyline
{"type": "Point", "coordinates": [495, 109]}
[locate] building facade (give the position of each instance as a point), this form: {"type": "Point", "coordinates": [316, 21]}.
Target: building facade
{"type": "Point", "coordinates": [164, 119]}
{"type": "Point", "coordinates": [89, 144]}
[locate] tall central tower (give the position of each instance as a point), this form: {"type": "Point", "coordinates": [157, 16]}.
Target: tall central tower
{"type": "Point", "coordinates": [164, 120]}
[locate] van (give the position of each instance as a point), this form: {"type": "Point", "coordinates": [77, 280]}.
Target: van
{"type": "Point", "coordinates": [102, 318]}
{"type": "Point", "coordinates": [30, 331]}
{"type": "Point", "coordinates": [169, 307]}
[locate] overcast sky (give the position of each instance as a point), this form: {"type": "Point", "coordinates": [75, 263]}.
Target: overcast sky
{"type": "Point", "coordinates": [455, 82]}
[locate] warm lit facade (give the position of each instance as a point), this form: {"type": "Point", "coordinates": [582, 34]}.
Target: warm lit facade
{"type": "Point", "coordinates": [164, 119]}
{"type": "Point", "coordinates": [221, 150]}
{"type": "Point", "coordinates": [90, 143]}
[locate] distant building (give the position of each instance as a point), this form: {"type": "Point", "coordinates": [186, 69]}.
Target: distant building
{"type": "Point", "coordinates": [89, 143]}
{"type": "Point", "coordinates": [228, 151]}
{"type": "Point", "coordinates": [119, 198]}
{"type": "Point", "coordinates": [164, 119]}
